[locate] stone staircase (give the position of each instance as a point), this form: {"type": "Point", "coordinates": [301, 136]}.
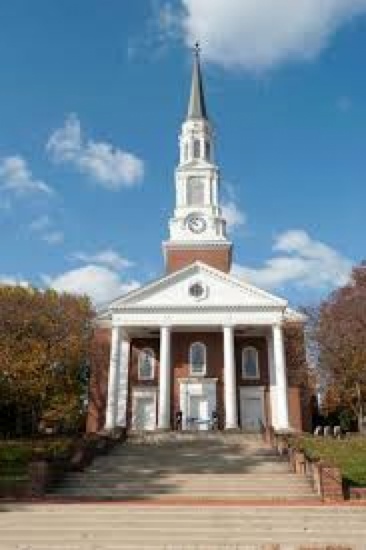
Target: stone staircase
{"type": "Point", "coordinates": [141, 526]}
{"type": "Point", "coordinates": [188, 467]}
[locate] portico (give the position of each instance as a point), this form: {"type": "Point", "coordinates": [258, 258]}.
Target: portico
{"type": "Point", "coordinates": [220, 385]}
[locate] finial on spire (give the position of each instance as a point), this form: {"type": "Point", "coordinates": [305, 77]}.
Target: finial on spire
{"type": "Point", "coordinates": [197, 106]}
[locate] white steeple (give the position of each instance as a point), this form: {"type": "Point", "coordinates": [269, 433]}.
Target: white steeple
{"type": "Point", "coordinates": [197, 215]}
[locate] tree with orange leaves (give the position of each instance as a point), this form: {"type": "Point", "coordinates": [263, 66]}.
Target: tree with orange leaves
{"type": "Point", "coordinates": [340, 333]}
{"type": "Point", "coordinates": [44, 353]}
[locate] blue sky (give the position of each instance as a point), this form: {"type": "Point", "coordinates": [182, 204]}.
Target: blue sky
{"type": "Point", "coordinates": [92, 97]}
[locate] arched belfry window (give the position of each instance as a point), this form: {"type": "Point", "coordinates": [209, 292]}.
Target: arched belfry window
{"type": "Point", "coordinates": [196, 149]}
{"type": "Point", "coordinates": [207, 150]}
{"type": "Point", "coordinates": [250, 363]}
{"type": "Point", "coordinates": [146, 364]}
{"type": "Point", "coordinates": [197, 359]}
{"type": "Point", "coordinates": [195, 192]}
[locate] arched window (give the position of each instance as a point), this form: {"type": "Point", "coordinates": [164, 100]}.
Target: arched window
{"type": "Point", "coordinates": [146, 364]}
{"type": "Point", "coordinates": [207, 150]}
{"type": "Point", "coordinates": [250, 363]}
{"type": "Point", "coordinates": [197, 359]}
{"type": "Point", "coordinates": [195, 192]}
{"type": "Point", "coordinates": [196, 149]}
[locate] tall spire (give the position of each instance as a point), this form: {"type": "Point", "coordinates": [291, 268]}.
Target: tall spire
{"type": "Point", "coordinates": [197, 106]}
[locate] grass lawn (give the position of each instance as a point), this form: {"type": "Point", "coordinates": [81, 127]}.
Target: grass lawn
{"type": "Point", "coordinates": [348, 454]}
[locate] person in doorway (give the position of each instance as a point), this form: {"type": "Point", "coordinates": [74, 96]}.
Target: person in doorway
{"type": "Point", "coordinates": [178, 420]}
{"type": "Point", "coordinates": [215, 421]}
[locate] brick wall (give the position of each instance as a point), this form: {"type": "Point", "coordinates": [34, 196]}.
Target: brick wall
{"type": "Point", "coordinates": [219, 258]}
{"type": "Point", "coordinates": [98, 385]}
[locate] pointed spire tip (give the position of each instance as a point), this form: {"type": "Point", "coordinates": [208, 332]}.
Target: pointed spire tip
{"type": "Point", "coordinates": [197, 105]}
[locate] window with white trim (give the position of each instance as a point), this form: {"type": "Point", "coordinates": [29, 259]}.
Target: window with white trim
{"type": "Point", "coordinates": [197, 359]}
{"type": "Point", "coordinates": [146, 364]}
{"type": "Point", "coordinates": [250, 363]}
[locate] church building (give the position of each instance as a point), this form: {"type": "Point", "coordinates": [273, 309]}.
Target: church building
{"type": "Point", "coordinates": [198, 344]}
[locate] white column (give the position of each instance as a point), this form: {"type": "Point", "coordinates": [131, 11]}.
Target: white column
{"type": "Point", "coordinates": [164, 380]}
{"type": "Point", "coordinates": [281, 380]}
{"type": "Point", "coordinates": [230, 394]}
{"type": "Point", "coordinates": [122, 382]}
{"type": "Point", "coordinates": [110, 420]}
{"type": "Point", "coordinates": [272, 381]}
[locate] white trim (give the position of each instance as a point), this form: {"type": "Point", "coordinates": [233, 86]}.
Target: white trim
{"type": "Point", "coordinates": [254, 392]}
{"type": "Point", "coordinates": [204, 370]}
{"type": "Point", "coordinates": [153, 361]}
{"type": "Point", "coordinates": [244, 374]}
{"type": "Point", "coordinates": [196, 267]}
{"type": "Point", "coordinates": [138, 393]}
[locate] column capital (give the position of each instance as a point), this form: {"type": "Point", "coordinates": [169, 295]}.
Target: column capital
{"type": "Point", "coordinates": [228, 326]}
{"type": "Point", "coordinates": [165, 326]}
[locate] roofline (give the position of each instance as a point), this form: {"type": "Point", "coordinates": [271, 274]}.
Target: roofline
{"type": "Point", "coordinates": [194, 265]}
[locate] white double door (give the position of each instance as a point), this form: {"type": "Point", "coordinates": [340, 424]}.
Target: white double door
{"type": "Point", "coordinates": [145, 412]}
{"type": "Point", "coordinates": [199, 415]}
{"type": "Point", "coordinates": [197, 402]}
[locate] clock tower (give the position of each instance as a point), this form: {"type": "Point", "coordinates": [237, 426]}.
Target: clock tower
{"type": "Point", "coordinates": [197, 229]}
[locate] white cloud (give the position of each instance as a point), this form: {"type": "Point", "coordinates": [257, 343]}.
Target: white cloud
{"type": "Point", "coordinates": [53, 237]}
{"type": "Point", "coordinates": [234, 217]}
{"type": "Point", "coordinates": [300, 261]}
{"type": "Point", "coordinates": [108, 258]}
{"type": "Point", "coordinates": [16, 177]}
{"type": "Point", "coordinates": [111, 167]}
{"type": "Point", "coordinates": [260, 34]}
{"type": "Point", "coordinates": [41, 223]}
{"type": "Point", "coordinates": [10, 280]}
{"type": "Point", "coordinates": [100, 283]}
{"type": "Point", "coordinates": [43, 227]}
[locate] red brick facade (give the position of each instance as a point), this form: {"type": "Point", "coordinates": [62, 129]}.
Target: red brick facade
{"type": "Point", "coordinates": [180, 344]}
{"type": "Point", "coordinates": [219, 258]}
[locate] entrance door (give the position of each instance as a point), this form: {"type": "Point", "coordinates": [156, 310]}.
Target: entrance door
{"type": "Point", "coordinates": [251, 413]}
{"type": "Point", "coordinates": [198, 412]}
{"type": "Point", "coordinates": [145, 418]}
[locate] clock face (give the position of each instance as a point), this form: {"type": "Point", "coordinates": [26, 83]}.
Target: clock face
{"type": "Point", "coordinates": [196, 224]}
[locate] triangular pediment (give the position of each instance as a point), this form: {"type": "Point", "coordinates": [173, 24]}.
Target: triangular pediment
{"type": "Point", "coordinates": [218, 290]}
